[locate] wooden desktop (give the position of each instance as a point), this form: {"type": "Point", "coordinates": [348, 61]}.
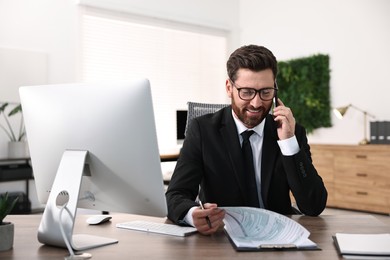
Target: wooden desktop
{"type": "Point", "coordinates": [142, 245]}
{"type": "Point", "coordinates": [169, 157]}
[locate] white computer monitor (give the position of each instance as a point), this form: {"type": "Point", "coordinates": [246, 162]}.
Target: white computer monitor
{"type": "Point", "coordinates": [96, 142]}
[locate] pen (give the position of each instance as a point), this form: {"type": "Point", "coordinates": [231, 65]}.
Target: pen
{"type": "Point", "coordinates": [207, 217]}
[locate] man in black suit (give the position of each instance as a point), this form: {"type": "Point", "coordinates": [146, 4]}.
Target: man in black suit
{"type": "Point", "coordinates": [211, 163]}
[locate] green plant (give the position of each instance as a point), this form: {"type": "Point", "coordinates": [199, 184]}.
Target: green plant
{"type": "Point", "coordinates": [8, 128]}
{"type": "Point", "coordinates": [6, 206]}
{"type": "Point", "coordinates": [304, 87]}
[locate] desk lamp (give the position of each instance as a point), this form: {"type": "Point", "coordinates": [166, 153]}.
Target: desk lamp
{"type": "Point", "coordinates": [340, 112]}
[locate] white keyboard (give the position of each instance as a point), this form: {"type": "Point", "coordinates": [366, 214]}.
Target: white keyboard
{"type": "Point", "coordinates": [160, 228]}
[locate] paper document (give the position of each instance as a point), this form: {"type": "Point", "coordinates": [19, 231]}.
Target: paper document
{"type": "Point", "coordinates": [363, 244]}
{"type": "Point", "coordinates": [255, 228]}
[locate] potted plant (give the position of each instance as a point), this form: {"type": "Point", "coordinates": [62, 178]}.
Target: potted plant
{"type": "Point", "coordinates": [6, 228]}
{"type": "Point", "coordinates": [17, 147]}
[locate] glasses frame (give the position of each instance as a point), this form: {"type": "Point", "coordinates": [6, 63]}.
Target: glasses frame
{"type": "Point", "coordinates": [257, 91]}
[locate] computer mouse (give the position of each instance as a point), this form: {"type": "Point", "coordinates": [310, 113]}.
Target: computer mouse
{"type": "Point", "coordinates": [98, 219]}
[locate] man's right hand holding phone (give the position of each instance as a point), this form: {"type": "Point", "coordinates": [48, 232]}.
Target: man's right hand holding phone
{"type": "Point", "coordinates": [286, 121]}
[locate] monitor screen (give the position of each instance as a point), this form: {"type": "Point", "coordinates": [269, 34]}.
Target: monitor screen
{"type": "Point", "coordinates": [181, 121]}
{"type": "Point", "coordinates": [114, 123]}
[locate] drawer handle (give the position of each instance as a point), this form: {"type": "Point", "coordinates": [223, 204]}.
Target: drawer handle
{"type": "Point", "coordinates": [361, 156]}
{"type": "Point", "coordinates": [361, 174]}
{"type": "Point", "coordinates": [362, 193]}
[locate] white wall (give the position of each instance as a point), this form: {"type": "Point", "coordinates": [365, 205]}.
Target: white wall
{"type": "Point", "coordinates": [356, 35]}
{"type": "Point", "coordinates": [45, 27]}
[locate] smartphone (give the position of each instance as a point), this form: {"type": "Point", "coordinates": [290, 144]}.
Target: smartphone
{"type": "Point", "coordinates": [275, 101]}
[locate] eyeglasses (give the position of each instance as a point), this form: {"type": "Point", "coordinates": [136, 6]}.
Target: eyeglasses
{"type": "Point", "coordinates": [248, 94]}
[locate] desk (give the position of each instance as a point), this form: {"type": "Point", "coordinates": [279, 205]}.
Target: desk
{"type": "Point", "coordinates": [169, 157]}
{"type": "Point", "coordinates": [170, 154]}
{"type": "Point", "coordinates": [168, 163]}
{"type": "Point", "coordinates": [141, 245]}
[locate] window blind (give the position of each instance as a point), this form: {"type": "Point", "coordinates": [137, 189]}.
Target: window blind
{"type": "Point", "coordinates": [183, 62]}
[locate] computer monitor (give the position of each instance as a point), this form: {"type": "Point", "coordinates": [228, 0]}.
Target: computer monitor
{"type": "Point", "coordinates": [94, 146]}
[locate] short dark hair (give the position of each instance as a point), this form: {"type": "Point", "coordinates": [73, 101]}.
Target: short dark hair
{"type": "Point", "coordinates": [252, 57]}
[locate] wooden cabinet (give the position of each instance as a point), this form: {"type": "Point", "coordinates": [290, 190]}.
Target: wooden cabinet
{"type": "Point", "coordinates": [356, 177]}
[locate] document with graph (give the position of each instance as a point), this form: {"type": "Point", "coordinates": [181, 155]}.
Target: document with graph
{"type": "Point", "coordinates": [255, 229]}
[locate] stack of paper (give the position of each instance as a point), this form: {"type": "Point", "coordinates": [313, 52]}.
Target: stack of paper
{"type": "Point", "coordinates": [363, 246]}
{"type": "Point", "coordinates": [255, 229]}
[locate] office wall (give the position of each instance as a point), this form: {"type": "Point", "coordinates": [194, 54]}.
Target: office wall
{"type": "Point", "coordinates": [47, 28]}
{"type": "Point", "coordinates": [356, 35]}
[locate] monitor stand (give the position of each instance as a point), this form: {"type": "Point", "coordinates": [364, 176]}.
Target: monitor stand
{"type": "Point", "coordinates": [60, 213]}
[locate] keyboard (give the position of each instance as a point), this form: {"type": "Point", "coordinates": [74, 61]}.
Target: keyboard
{"type": "Point", "coordinates": [160, 228]}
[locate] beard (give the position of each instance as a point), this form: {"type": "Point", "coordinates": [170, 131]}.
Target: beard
{"type": "Point", "coordinates": [250, 121]}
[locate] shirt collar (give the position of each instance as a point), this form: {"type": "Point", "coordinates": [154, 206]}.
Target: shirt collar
{"type": "Point", "coordinates": [259, 129]}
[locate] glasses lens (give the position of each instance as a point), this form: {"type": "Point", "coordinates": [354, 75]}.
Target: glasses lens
{"type": "Point", "coordinates": [267, 94]}
{"type": "Point", "coordinates": [247, 93]}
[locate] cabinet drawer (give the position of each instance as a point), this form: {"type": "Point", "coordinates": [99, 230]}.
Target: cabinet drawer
{"type": "Point", "coordinates": [369, 179]}
{"type": "Point", "coordinates": [366, 169]}
{"type": "Point", "coordinates": [362, 197]}
{"type": "Point", "coordinates": [361, 159]}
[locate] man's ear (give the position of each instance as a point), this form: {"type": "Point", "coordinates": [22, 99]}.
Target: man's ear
{"type": "Point", "coordinates": [229, 88]}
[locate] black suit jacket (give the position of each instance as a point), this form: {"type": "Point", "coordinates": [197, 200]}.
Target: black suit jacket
{"type": "Point", "coordinates": [210, 165]}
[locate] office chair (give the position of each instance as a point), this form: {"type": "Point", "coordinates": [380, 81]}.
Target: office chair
{"type": "Point", "coordinates": [194, 110]}
{"type": "Point", "coordinates": [198, 109]}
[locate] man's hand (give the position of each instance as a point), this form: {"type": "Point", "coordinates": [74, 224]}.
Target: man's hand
{"type": "Point", "coordinates": [286, 121]}
{"type": "Point", "coordinates": [215, 216]}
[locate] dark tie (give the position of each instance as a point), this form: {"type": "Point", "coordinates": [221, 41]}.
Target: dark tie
{"type": "Point", "coordinates": [250, 179]}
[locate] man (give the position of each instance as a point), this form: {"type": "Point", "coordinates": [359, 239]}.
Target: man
{"type": "Point", "coordinates": [212, 162]}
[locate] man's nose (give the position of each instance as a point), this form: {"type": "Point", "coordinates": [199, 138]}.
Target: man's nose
{"type": "Point", "coordinates": [256, 101]}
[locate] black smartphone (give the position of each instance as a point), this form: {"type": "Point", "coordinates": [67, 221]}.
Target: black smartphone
{"type": "Point", "coordinates": [275, 101]}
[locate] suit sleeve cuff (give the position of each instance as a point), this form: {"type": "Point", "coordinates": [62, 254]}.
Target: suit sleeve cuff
{"type": "Point", "coordinates": [289, 146]}
{"type": "Point", "coordinates": [188, 217]}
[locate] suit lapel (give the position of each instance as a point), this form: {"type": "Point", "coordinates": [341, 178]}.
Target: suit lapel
{"type": "Point", "coordinates": [270, 150]}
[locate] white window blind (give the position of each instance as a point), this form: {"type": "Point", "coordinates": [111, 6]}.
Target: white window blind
{"type": "Point", "coordinates": [183, 63]}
